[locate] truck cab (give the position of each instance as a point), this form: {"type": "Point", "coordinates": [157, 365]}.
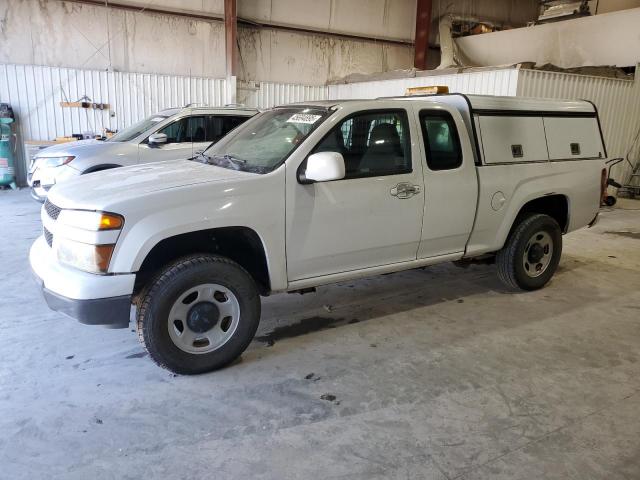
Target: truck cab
{"type": "Point", "coordinates": [309, 194]}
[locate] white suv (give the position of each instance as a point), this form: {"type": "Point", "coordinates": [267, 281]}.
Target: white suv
{"type": "Point", "coordinates": [173, 134]}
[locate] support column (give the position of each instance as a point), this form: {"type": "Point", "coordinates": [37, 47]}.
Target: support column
{"type": "Point", "coordinates": [230, 37]}
{"type": "Point", "coordinates": [423, 24]}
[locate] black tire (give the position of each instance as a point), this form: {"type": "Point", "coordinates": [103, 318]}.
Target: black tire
{"type": "Point", "coordinates": [511, 259]}
{"type": "Point", "coordinates": [610, 200]}
{"type": "Point", "coordinates": [165, 289]}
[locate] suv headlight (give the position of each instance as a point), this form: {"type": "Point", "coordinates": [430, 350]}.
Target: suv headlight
{"type": "Point", "coordinates": [90, 257]}
{"type": "Point", "coordinates": [48, 162]}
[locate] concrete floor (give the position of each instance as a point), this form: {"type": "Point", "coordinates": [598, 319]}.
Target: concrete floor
{"type": "Point", "coordinates": [428, 374]}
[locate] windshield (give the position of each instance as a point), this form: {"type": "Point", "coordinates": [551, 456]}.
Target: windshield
{"type": "Point", "coordinates": [264, 142]}
{"type": "Point", "coordinates": [136, 129]}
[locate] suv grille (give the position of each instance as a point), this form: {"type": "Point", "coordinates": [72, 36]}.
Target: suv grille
{"type": "Point", "coordinates": [48, 236]}
{"type": "Point", "coordinates": [51, 209]}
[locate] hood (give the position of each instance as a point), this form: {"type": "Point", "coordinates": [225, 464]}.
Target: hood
{"type": "Point", "coordinates": [96, 190]}
{"type": "Point", "coordinates": [80, 147]}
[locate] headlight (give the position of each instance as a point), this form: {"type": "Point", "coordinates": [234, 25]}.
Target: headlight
{"type": "Point", "coordinates": [47, 162]}
{"type": "Point", "coordinates": [83, 256]}
{"type": "Point", "coordinates": [92, 221]}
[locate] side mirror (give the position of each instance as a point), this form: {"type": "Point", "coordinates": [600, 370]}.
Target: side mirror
{"type": "Point", "coordinates": [324, 167]}
{"type": "Point", "coordinates": [158, 138]}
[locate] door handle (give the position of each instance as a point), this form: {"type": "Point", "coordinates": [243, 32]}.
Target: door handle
{"type": "Point", "coordinates": [404, 190]}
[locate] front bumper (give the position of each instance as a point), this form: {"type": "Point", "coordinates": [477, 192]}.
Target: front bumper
{"type": "Point", "coordinates": [112, 312]}
{"type": "Point", "coordinates": [38, 193]}
{"type": "Point", "coordinates": [91, 299]}
{"type": "Point", "coordinates": [42, 179]}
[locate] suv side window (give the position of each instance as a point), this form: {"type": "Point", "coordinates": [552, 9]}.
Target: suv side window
{"type": "Point", "coordinates": [178, 131]}
{"type": "Point", "coordinates": [219, 125]}
{"type": "Point", "coordinates": [441, 141]}
{"type": "Point", "coordinates": [373, 143]}
{"type": "Point", "coordinates": [197, 129]}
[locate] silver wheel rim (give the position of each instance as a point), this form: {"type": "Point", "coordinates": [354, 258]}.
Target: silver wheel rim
{"type": "Point", "coordinates": [203, 318]}
{"type": "Point", "coordinates": [537, 254]}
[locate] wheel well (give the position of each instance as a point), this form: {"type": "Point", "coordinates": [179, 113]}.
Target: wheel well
{"type": "Point", "coordinates": [556, 206]}
{"type": "Point", "coordinates": [240, 244]}
{"type": "Point", "coordinates": [99, 168]}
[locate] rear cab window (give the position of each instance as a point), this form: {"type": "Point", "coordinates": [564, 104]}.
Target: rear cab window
{"type": "Point", "coordinates": [441, 140]}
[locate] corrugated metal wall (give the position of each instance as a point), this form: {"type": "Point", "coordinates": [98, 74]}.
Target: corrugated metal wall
{"type": "Point", "coordinates": [618, 103]}
{"type": "Point", "coordinates": [482, 82]}
{"type": "Point", "coordinates": [35, 94]}
{"type": "Point", "coordinates": [270, 94]}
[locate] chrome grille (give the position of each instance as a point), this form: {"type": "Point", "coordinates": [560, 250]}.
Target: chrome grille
{"type": "Point", "coordinates": [48, 236]}
{"type": "Point", "coordinates": [51, 209]}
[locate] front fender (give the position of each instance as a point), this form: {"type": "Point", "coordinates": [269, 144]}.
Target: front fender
{"type": "Point", "coordinates": [256, 203]}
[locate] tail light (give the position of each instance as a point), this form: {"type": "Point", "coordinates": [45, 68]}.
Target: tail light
{"type": "Point", "coordinates": [603, 185]}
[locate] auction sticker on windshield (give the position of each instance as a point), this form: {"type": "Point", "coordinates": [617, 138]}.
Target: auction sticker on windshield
{"type": "Point", "coordinates": [303, 118]}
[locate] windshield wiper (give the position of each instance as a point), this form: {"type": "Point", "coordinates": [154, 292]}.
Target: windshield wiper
{"type": "Point", "coordinates": [233, 159]}
{"type": "Point", "coordinates": [200, 157]}
{"type": "Point", "coordinates": [229, 161]}
{"type": "Point", "coordinates": [225, 161]}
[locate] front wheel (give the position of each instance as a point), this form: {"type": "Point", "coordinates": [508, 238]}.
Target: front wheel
{"type": "Point", "coordinates": [532, 253]}
{"type": "Point", "coordinates": [199, 314]}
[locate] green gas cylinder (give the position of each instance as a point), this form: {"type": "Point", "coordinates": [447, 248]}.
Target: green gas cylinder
{"type": "Point", "coordinates": [7, 154]}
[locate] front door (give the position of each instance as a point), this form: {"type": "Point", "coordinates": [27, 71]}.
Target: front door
{"type": "Point", "coordinates": [179, 144]}
{"type": "Point", "coordinates": [373, 216]}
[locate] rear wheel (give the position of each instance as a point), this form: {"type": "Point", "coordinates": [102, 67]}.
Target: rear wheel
{"type": "Point", "coordinates": [199, 314]}
{"type": "Point", "coordinates": [532, 253]}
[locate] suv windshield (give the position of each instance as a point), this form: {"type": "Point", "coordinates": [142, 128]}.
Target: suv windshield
{"type": "Point", "coordinates": [136, 129]}
{"type": "Point", "coordinates": [264, 142]}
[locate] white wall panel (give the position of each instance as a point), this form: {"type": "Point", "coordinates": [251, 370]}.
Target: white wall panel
{"type": "Point", "coordinates": [270, 94]}
{"type": "Point", "coordinates": [35, 94]}
{"type": "Point", "coordinates": [485, 82]}
{"type": "Point", "coordinates": [394, 19]}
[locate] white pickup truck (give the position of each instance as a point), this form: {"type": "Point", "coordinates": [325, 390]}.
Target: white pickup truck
{"type": "Point", "coordinates": [305, 195]}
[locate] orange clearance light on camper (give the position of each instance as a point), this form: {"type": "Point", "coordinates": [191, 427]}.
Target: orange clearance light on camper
{"type": "Point", "coordinates": [433, 90]}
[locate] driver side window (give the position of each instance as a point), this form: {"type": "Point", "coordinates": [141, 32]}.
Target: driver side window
{"type": "Point", "coordinates": [372, 143]}
{"type": "Point", "coordinates": [177, 132]}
